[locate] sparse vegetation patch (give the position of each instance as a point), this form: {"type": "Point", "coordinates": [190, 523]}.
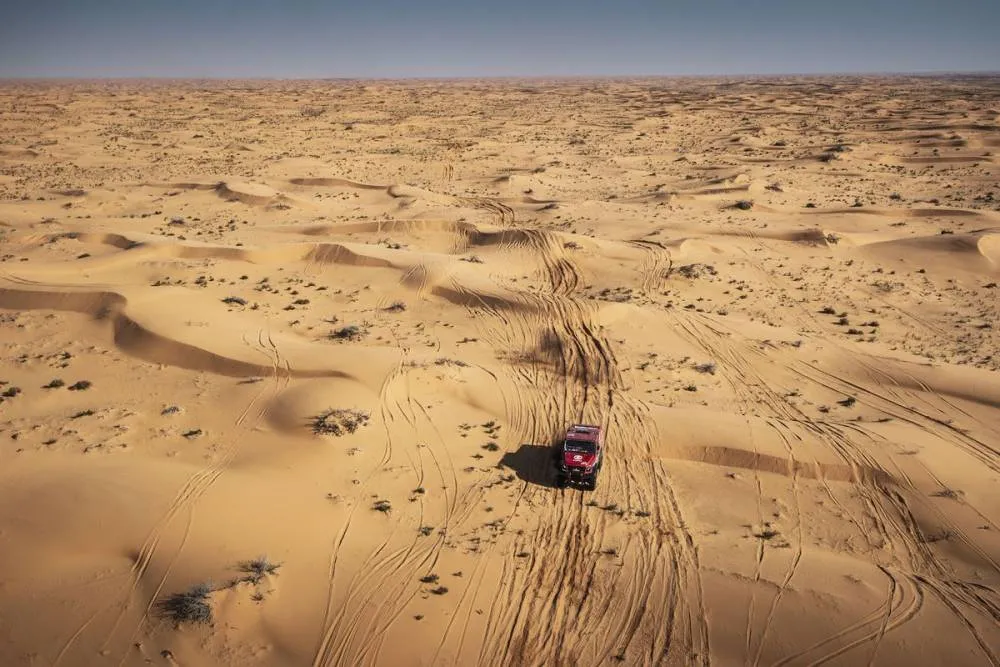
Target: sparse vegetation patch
{"type": "Point", "coordinates": [258, 568]}
{"type": "Point", "coordinates": [339, 422]}
{"type": "Point", "coordinates": [350, 332]}
{"type": "Point", "coordinates": [191, 606]}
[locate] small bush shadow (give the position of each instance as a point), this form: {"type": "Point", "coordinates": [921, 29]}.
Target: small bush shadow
{"type": "Point", "coordinates": [533, 464]}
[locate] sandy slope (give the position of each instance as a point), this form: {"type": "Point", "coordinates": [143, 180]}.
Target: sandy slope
{"type": "Point", "coordinates": [801, 392]}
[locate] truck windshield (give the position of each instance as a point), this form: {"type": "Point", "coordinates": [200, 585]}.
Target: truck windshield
{"type": "Point", "coordinates": [576, 446]}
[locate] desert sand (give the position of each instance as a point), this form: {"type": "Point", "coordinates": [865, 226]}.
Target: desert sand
{"type": "Point", "coordinates": [294, 354]}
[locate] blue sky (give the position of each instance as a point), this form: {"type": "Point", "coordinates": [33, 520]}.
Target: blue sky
{"type": "Point", "coordinates": [448, 38]}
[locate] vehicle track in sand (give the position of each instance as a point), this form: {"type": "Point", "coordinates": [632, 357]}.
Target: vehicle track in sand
{"type": "Point", "coordinates": [885, 517]}
{"type": "Point", "coordinates": [331, 644]}
{"type": "Point", "coordinates": [656, 265]}
{"type": "Point", "coordinates": [502, 214]}
{"type": "Point", "coordinates": [184, 501]}
{"type": "Point", "coordinates": [363, 602]}
{"type": "Point", "coordinates": [751, 391]}
{"type": "Point", "coordinates": [904, 600]}
{"type": "Point", "coordinates": [540, 613]}
{"type": "Point", "coordinates": [362, 610]}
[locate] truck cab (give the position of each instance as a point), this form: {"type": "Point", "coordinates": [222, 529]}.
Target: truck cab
{"type": "Point", "coordinates": [579, 456]}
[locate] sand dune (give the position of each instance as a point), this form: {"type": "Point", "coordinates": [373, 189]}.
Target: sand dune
{"type": "Point", "coordinates": [149, 325]}
{"type": "Point", "coordinates": [961, 252]}
{"type": "Point", "coordinates": [267, 402]}
{"type": "Point", "coordinates": [245, 192]}
{"type": "Point", "coordinates": [904, 213]}
{"type": "Point", "coordinates": [336, 183]}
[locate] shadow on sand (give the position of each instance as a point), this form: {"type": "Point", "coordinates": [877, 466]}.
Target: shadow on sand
{"type": "Point", "coordinates": [532, 464]}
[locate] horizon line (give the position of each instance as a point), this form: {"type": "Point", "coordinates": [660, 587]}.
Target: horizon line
{"type": "Point", "coordinates": [508, 77]}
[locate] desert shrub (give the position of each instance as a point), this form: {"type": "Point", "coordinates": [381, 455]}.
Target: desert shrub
{"type": "Point", "coordinates": [766, 533]}
{"type": "Point", "coordinates": [339, 422]}
{"type": "Point", "coordinates": [707, 367]}
{"type": "Point", "coordinates": [349, 332]}
{"type": "Point", "coordinates": [258, 568]}
{"type": "Point", "coordinates": [886, 286]}
{"type": "Point", "coordinates": [696, 270]}
{"type": "Point", "coordinates": [444, 361]}
{"type": "Point", "coordinates": [191, 606]}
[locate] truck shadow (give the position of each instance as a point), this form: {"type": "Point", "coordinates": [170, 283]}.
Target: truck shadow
{"type": "Point", "coordinates": [532, 464]}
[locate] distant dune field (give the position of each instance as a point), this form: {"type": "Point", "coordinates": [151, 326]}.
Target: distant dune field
{"type": "Point", "coordinates": [283, 363]}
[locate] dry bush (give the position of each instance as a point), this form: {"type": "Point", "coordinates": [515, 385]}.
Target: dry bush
{"type": "Point", "coordinates": [191, 606]}
{"type": "Point", "coordinates": [339, 422]}
{"type": "Point", "coordinates": [349, 332]}
{"type": "Point", "coordinates": [258, 568]}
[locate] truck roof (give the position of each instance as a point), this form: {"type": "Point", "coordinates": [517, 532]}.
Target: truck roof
{"type": "Point", "coordinates": [583, 432]}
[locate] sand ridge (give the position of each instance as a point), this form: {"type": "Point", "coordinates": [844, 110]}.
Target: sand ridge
{"type": "Point", "coordinates": [307, 345]}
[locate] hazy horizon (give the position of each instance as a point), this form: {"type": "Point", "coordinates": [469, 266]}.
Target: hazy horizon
{"type": "Point", "coordinates": [445, 39]}
{"type": "Point", "coordinates": [520, 77]}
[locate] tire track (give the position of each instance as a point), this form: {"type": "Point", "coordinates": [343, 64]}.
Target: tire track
{"type": "Point", "coordinates": [656, 265]}
{"type": "Point", "coordinates": [903, 601]}
{"type": "Point", "coordinates": [981, 451]}
{"type": "Point", "coordinates": [563, 588]}
{"type": "Point", "coordinates": [191, 491]}
{"type": "Point", "coordinates": [751, 390]}
{"type": "Point", "coordinates": [503, 214]}
{"type": "Point", "coordinates": [886, 506]}
{"type": "Point", "coordinates": [373, 601]}
{"type": "Point", "coordinates": [326, 648]}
